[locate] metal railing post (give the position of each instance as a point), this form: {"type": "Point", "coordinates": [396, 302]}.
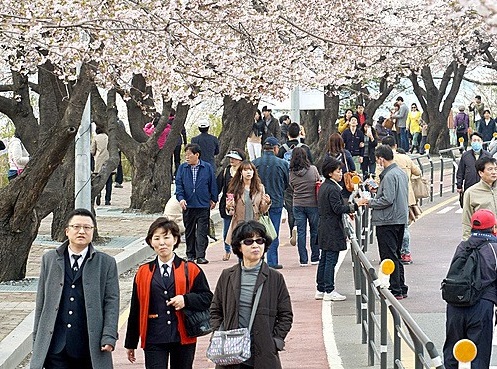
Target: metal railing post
{"type": "Point", "coordinates": [384, 334]}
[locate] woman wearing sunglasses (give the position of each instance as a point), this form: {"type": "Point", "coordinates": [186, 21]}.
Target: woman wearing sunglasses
{"type": "Point", "coordinates": [234, 295]}
{"type": "Point", "coordinates": [246, 199]}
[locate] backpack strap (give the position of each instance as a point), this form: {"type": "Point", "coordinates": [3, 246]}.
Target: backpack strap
{"type": "Point", "coordinates": [495, 255]}
{"type": "Point", "coordinates": [286, 147]}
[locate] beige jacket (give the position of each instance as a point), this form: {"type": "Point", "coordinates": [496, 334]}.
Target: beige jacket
{"type": "Point", "coordinates": [99, 150]}
{"type": "Point", "coordinates": [479, 196]}
{"type": "Point", "coordinates": [238, 215]}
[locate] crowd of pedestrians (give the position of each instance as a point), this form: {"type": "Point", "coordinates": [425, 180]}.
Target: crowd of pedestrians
{"type": "Point", "coordinates": [279, 174]}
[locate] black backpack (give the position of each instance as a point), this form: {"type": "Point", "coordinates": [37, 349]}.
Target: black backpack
{"type": "Point", "coordinates": [462, 286]}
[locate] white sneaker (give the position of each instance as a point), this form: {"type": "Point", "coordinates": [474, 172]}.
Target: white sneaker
{"type": "Point", "coordinates": [314, 262]}
{"type": "Point", "coordinates": [333, 296]}
{"type": "Point", "coordinates": [319, 295]}
{"type": "Point", "coordinates": [293, 238]}
{"type": "Point", "coordinates": [304, 265]}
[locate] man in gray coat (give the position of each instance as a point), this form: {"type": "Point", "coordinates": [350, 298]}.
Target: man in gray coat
{"type": "Point", "coordinates": [389, 215]}
{"type": "Point", "coordinates": [77, 304]}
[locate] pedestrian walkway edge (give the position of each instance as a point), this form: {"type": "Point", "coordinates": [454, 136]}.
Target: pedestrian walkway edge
{"type": "Point", "coordinates": [18, 344]}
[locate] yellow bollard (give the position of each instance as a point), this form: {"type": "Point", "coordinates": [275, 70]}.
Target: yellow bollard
{"type": "Point", "coordinates": [465, 352]}
{"type": "Point", "coordinates": [427, 148]}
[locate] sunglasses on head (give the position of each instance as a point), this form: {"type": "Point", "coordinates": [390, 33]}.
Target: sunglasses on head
{"type": "Point", "coordinates": [250, 241]}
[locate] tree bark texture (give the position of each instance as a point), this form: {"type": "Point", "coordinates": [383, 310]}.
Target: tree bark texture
{"type": "Point", "coordinates": [19, 215]}
{"type": "Point", "coordinates": [238, 119]}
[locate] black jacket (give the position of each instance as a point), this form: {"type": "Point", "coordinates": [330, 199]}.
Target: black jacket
{"type": "Point", "coordinates": [331, 235]}
{"type": "Point", "coordinates": [466, 170]}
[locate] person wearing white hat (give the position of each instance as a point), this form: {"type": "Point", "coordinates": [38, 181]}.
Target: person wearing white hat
{"type": "Point", "coordinates": [208, 143]}
{"type": "Point", "coordinates": [235, 156]}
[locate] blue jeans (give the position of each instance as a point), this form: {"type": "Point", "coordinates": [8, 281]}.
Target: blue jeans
{"type": "Point", "coordinates": [404, 140]}
{"type": "Point", "coordinates": [303, 214]}
{"type": "Point", "coordinates": [325, 277]}
{"type": "Point", "coordinates": [272, 253]}
{"type": "Point", "coordinates": [226, 227]}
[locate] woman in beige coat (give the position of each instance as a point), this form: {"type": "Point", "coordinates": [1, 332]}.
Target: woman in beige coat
{"type": "Point", "coordinates": [246, 199]}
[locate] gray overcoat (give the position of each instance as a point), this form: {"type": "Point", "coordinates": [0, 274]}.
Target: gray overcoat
{"type": "Point", "coordinates": [101, 291]}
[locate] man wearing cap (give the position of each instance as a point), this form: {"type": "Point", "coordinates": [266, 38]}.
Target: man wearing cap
{"type": "Point", "coordinates": [274, 173]}
{"type": "Point", "coordinates": [271, 126]}
{"type": "Point", "coordinates": [476, 322]}
{"type": "Point", "coordinates": [482, 195]}
{"type": "Point", "coordinates": [196, 191]}
{"type": "Point", "coordinates": [208, 143]}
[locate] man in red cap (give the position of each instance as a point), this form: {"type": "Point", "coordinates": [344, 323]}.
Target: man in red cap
{"type": "Point", "coordinates": [475, 322]}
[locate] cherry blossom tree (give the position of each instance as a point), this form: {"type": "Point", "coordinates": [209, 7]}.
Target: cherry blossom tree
{"type": "Point", "coordinates": [186, 50]}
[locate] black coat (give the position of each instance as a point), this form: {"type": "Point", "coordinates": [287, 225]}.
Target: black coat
{"type": "Point", "coordinates": [223, 179]}
{"type": "Point", "coordinates": [466, 174]}
{"type": "Point", "coordinates": [331, 235]}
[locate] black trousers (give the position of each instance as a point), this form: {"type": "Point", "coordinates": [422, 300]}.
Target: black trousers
{"type": "Point", "coordinates": [177, 158]}
{"type": "Point", "coordinates": [389, 244]}
{"type": "Point", "coordinates": [180, 356]}
{"type": "Point", "coordinates": [63, 361]}
{"type": "Point", "coordinates": [196, 222]}
{"type": "Point", "coordinates": [474, 323]}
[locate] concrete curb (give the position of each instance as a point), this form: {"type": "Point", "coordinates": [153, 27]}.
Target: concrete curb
{"type": "Point", "coordinates": [18, 344]}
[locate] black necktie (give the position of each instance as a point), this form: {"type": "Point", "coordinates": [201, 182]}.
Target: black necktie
{"type": "Point", "coordinates": [75, 266]}
{"type": "Point", "coordinates": [165, 275]}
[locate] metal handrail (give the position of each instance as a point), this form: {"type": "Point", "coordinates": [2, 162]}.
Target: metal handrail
{"type": "Point", "coordinates": [369, 289]}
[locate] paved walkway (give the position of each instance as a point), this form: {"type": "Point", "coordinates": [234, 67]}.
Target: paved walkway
{"type": "Point", "coordinates": [324, 334]}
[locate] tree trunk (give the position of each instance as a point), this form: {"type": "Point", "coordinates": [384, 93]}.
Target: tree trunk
{"type": "Point", "coordinates": [238, 118]}
{"type": "Point", "coordinates": [19, 215]}
{"type": "Point", "coordinates": [436, 102]}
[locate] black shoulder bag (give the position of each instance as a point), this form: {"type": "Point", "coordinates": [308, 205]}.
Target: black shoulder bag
{"type": "Point", "coordinates": [197, 322]}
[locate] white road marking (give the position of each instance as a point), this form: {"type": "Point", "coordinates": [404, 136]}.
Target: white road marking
{"type": "Point", "coordinates": [334, 359]}
{"type": "Point", "coordinates": [445, 210]}
{"type": "Point", "coordinates": [459, 211]}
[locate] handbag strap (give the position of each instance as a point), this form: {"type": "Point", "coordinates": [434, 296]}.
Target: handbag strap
{"type": "Point", "coordinates": [254, 307]}
{"type": "Point", "coordinates": [345, 161]}
{"type": "Point", "coordinates": [186, 276]}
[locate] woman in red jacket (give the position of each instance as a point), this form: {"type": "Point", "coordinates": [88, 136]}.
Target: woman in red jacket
{"type": "Point", "coordinates": [159, 295]}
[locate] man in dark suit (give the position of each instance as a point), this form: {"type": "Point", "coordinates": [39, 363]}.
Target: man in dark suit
{"type": "Point", "coordinates": [77, 304]}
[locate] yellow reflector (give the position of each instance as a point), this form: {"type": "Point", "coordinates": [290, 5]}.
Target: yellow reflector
{"type": "Point", "coordinates": [387, 266]}
{"type": "Point", "coordinates": [465, 351]}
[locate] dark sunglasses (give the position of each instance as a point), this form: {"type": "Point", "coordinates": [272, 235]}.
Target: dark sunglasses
{"type": "Point", "coordinates": [250, 241]}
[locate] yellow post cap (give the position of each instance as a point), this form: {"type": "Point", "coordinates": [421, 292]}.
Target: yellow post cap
{"type": "Point", "coordinates": [461, 140]}
{"type": "Point", "coordinates": [387, 266]}
{"type": "Point", "coordinates": [494, 134]}
{"type": "Point", "coordinates": [356, 179]}
{"type": "Point", "coordinates": [465, 351]}
{"type": "Point", "coordinates": [427, 146]}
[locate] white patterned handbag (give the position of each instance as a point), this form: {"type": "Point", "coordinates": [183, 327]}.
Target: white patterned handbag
{"type": "Point", "coordinates": [233, 347]}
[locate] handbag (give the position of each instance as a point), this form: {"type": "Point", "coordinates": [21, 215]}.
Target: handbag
{"type": "Point", "coordinates": [420, 187]}
{"type": "Point", "coordinates": [348, 175]}
{"type": "Point", "coordinates": [265, 220]}
{"type": "Point", "coordinates": [197, 322]}
{"type": "Point", "coordinates": [233, 346]}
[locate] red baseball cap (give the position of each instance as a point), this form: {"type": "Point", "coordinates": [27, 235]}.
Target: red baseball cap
{"type": "Point", "coordinates": [483, 219]}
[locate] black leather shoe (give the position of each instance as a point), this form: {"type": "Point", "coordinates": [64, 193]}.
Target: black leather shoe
{"type": "Point", "coordinates": [202, 261]}
{"type": "Point", "coordinates": [277, 266]}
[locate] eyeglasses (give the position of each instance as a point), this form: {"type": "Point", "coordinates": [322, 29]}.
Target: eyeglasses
{"type": "Point", "coordinates": [78, 227]}
{"type": "Point", "coordinates": [250, 241]}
